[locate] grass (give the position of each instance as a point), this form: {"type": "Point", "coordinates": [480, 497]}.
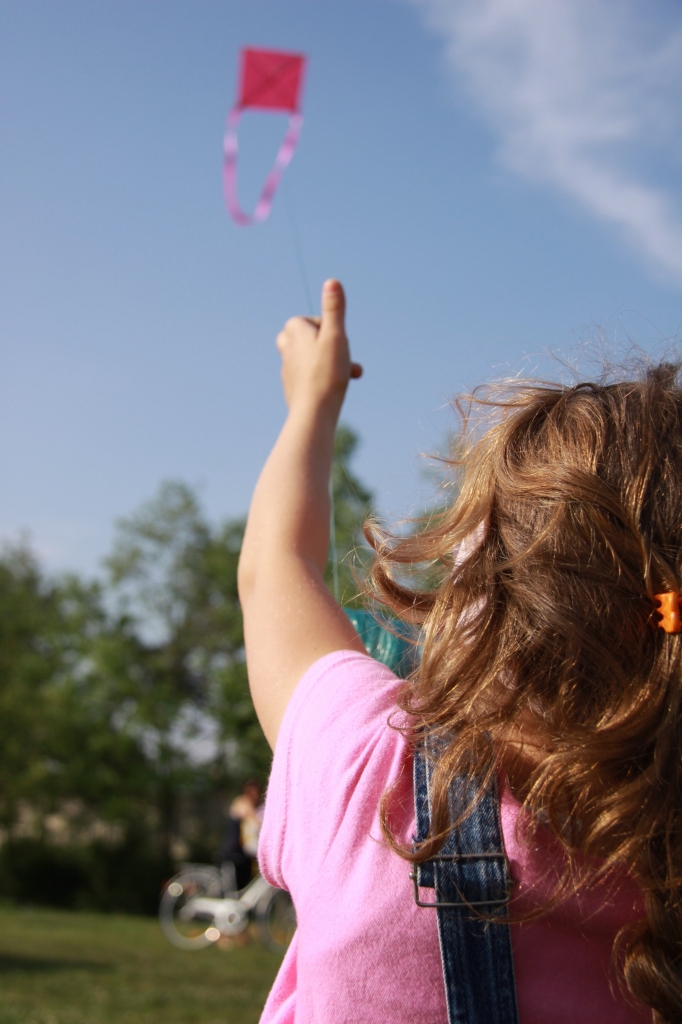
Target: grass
{"type": "Point", "coordinates": [59, 967]}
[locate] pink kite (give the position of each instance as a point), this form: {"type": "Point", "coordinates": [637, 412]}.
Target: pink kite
{"type": "Point", "coordinates": [268, 80]}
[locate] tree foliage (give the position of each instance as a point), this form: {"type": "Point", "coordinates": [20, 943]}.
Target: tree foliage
{"type": "Point", "coordinates": [124, 703]}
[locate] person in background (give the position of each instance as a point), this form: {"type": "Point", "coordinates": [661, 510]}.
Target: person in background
{"type": "Point", "coordinates": [240, 842]}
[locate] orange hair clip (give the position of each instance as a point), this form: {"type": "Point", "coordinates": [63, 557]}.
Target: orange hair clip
{"type": "Point", "coordinates": [669, 610]}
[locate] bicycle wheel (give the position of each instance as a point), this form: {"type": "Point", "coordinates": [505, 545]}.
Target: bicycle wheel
{"type": "Point", "coordinates": [275, 919]}
{"type": "Point", "coordinates": [184, 922]}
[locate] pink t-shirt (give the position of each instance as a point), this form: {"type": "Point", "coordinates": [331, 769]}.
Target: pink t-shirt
{"type": "Point", "coordinates": [363, 951]}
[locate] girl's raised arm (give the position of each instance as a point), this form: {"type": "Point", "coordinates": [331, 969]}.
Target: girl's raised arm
{"type": "Point", "coordinates": [290, 618]}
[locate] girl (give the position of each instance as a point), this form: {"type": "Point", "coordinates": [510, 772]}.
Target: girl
{"type": "Point", "coordinates": [550, 684]}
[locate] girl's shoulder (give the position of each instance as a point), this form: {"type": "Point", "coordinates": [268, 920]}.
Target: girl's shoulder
{"type": "Point", "coordinates": [344, 694]}
{"type": "Point", "coordinates": [335, 755]}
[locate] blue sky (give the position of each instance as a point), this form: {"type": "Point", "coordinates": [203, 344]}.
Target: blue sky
{"type": "Point", "coordinates": [489, 178]}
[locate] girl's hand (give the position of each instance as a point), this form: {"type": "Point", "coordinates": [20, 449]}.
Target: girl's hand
{"type": "Point", "coordinates": [316, 363]}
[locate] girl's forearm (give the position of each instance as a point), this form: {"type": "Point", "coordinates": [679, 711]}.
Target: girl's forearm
{"type": "Point", "coordinates": [289, 514]}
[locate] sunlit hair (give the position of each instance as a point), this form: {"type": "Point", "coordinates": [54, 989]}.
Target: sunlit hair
{"type": "Point", "coordinates": [547, 632]}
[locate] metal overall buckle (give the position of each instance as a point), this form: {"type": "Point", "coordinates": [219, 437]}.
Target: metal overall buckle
{"type": "Point", "coordinates": [463, 902]}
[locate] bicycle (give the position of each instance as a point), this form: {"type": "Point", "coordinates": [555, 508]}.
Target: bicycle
{"type": "Point", "coordinates": [201, 904]}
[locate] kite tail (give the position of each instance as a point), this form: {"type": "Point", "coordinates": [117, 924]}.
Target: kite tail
{"type": "Point", "coordinates": [286, 151]}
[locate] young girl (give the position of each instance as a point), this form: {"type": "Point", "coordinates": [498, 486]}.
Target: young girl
{"type": "Point", "coordinates": [549, 676]}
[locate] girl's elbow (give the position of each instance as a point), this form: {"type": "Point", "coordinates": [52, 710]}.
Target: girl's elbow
{"type": "Point", "coordinates": [246, 578]}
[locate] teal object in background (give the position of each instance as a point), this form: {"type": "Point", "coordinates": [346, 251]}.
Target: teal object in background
{"type": "Point", "coordinates": [393, 649]}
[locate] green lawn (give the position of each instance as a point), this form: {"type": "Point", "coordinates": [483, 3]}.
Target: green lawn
{"type": "Point", "coordinates": [58, 967]}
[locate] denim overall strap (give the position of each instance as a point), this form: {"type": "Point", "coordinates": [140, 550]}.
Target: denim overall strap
{"type": "Point", "coordinates": [470, 876]}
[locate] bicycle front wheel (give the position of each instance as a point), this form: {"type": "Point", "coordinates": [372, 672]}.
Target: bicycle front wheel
{"type": "Point", "coordinates": [183, 920]}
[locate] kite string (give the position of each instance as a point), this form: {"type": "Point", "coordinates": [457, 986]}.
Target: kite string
{"type": "Point", "coordinates": [298, 250]}
{"type": "Point", "coordinates": [332, 538]}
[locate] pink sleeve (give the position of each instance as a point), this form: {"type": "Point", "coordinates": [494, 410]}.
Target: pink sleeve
{"type": "Point", "coordinates": [329, 765]}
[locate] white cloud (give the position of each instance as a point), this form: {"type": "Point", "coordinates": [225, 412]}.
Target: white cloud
{"type": "Point", "coordinates": [585, 95]}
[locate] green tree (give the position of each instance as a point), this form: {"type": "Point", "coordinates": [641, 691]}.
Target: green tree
{"type": "Point", "coordinates": [130, 697]}
{"type": "Point", "coordinates": [31, 652]}
{"type": "Point", "coordinates": [56, 735]}
{"type": "Point", "coordinates": [175, 581]}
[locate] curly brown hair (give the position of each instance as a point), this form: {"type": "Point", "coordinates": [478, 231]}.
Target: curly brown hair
{"type": "Point", "coordinates": [541, 650]}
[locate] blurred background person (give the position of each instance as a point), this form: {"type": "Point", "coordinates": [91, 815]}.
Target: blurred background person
{"type": "Point", "coordinates": [240, 842]}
